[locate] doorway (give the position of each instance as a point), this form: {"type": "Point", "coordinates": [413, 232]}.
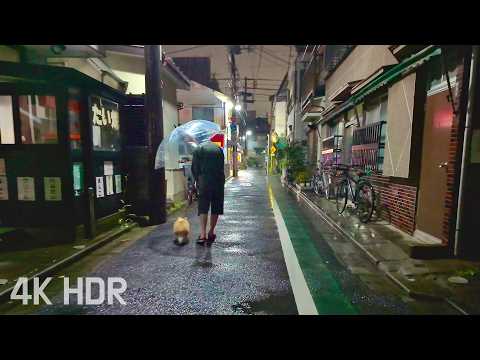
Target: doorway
{"type": "Point", "coordinates": [434, 167]}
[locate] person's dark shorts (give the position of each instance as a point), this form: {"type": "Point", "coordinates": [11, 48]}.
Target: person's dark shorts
{"type": "Point", "coordinates": [211, 197]}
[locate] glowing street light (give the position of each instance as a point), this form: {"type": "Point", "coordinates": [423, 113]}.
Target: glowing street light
{"type": "Point", "coordinates": [249, 132]}
{"type": "Point", "coordinates": [238, 107]}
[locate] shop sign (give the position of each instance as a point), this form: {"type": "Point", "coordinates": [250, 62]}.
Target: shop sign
{"type": "Point", "coordinates": [26, 188]}
{"type": "Point", "coordinates": [109, 184]}
{"type": "Point", "coordinates": [77, 178]}
{"type": "Point", "coordinates": [2, 167]}
{"type": "Point", "coordinates": [108, 167]}
{"type": "Point", "coordinates": [118, 183]}
{"type": "Point", "coordinates": [99, 187]}
{"type": "Point", "coordinates": [3, 188]}
{"type": "Point", "coordinates": [53, 188]}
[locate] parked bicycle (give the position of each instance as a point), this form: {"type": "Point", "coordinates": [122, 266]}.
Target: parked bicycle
{"type": "Point", "coordinates": [357, 191]}
{"type": "Point", "coordinates": [322, 182]}
{"type": "Point", "coordinates": [192, 193]}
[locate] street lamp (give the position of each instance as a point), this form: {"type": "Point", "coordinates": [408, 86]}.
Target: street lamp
{"type": "Point", "coordinates": [238, 107]}
{"type": "Point", "coordinates": [249, 132]}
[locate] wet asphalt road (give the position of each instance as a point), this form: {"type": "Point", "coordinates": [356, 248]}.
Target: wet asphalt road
{"type": "Point", "coordinates": [243, 272]}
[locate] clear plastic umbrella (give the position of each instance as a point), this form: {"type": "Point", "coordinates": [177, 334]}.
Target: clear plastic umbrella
{"type": "Point", "coordinates": [182, 141]}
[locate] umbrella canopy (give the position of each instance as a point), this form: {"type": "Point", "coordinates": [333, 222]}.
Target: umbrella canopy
{"type": "Point", "coordinates": [182, 141]}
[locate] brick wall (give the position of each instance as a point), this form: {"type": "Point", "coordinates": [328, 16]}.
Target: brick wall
{"type": "Point", "coordinates": [395, 203]}
{"type": "Point", "coordinates": [455, 151]}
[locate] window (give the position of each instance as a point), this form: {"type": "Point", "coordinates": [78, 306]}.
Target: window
{"type": "Point", "coordinates": [7, 133]}
{"type": "Point", "coordinates": [437, 79]}
{"type": "Point", "coordinates": [38, 119]}
{"type": "Point", "coordinates": [74, 124]}
{"type": "Point", "coordinates": [105, 124]}
{"type": "Point", "coordinates": [375, 110]}
{"type": "Point", "coordinates": [202, 113]}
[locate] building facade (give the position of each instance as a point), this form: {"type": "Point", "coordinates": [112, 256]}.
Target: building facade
{"type": "Point", "coordinates": [396, 111]}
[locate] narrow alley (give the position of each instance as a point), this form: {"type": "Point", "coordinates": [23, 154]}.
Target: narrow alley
{"type": "Point", "coordinates": [272, 256]}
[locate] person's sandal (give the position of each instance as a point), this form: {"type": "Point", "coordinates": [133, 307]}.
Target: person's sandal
{"type": "Point", "coordinates": [201, 241]}
{"type": "Point", "coordinates": [211, 239]}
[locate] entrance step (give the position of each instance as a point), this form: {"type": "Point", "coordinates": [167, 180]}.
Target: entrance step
{"type": "Point", "coordinates": [418, 248]}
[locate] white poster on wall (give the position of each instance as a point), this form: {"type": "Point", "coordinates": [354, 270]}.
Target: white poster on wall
{"type": "Point", "coordinates": [52, 188]}
{"type": "Point", "coordinates": [3, 170]}
{"type": "Point", "coordinates": [109, 184]}
{"type": "Point", "coordinates": [97, 136]}
{"type": "Point", "coordinates": [118, 184]}
{"type": "Point", "coordinates": [3, 188]}
{"type": "Point", "coordinates": [108, 167]}
{"type": "Point", "coordinates": [99, 186]}
{"type": "Point", "coordinates": [26, 188]}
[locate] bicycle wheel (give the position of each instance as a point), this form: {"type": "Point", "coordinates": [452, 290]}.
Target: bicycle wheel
{"type": "Point", "coordinates": [342, 196]}
{"type": "Point", "coordinates": [365, 201]}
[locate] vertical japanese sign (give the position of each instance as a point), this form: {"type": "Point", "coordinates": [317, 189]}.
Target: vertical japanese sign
{"type": "Point", "coordinates": [118, 184]}
{"type": "Point", "coordinates": [3, 188]}
{"type": "Point", "coordinates": [99, 186]}
{"type": "Point", "coordinates": [77, 178]}
{"type": "Point", "coordinates": [3, 170]}
{"type": "Point", "coordinates": [26, 188]}
{"type": "Point", "coordinates": [109, 184]}
{"type": "Point", "coordinates": [52, 188]}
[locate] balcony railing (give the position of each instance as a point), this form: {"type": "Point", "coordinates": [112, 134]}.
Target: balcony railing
{"type": "Point", "coordinates": [368, 146]}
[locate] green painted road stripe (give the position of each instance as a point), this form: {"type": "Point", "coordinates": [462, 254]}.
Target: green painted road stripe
{"type": "Point", "coordinates": [301, 293]}
{"type": "Point", "coordinates": [324, 288]}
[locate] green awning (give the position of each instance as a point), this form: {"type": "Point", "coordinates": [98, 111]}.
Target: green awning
{"type": "Point", "coordinates": [395, 72]}
{"type": "Point", "coordinates": [386, 78]}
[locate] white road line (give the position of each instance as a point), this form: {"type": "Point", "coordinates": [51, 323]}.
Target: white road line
{"type": "Point", "coordinates": [303, 297]}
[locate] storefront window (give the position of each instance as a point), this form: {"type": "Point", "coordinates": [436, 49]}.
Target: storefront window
{"type": "Point", "coordinates": [74, 124]}
{"type": "Point", "coordinates": [105, 124]}
{"type": "Point", "coordinates": [38, 119]}
{"type": "Point", "coordinates": [7, 133]}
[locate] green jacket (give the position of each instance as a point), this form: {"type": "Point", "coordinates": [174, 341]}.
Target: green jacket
{"type": "Point", "coordinates": [208, 165]}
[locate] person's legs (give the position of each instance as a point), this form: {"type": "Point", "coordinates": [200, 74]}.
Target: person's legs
{"type": "Point", "coordinates": [203, 226]}
{"type": "Point", "coordinates": [217, 209]}
{"type": "Point", "coordinates": [213, 223]}
{"type": "Point", "coordinates": [204, 201]}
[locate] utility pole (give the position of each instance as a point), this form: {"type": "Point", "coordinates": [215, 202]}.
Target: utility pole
{"type": "Point", "coordinates": [246, 112]}
{"type": "Point", "coordinates": [233, 71]}
{"type": "Point", "coordinates": [154, 115]}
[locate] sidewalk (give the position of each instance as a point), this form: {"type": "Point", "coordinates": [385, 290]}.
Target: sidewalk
{"type": "Point", "coordinates": [421, 278]}
{"type": "Point", "coordinates": [23, 254]}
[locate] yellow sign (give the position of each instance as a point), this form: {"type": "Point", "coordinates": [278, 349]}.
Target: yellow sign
{"type": "Point", "coordinates": [273, 149]}
{"type": "Point", "coordinates": [274, 137]}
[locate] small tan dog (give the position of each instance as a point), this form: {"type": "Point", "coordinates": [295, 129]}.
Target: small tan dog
{"type": "Point", "coordinates": [181, 229]}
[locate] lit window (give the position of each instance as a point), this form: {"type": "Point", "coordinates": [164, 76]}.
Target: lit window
{"type": "Point", "coordinates": [74, 124]}
{"type": "Point", "coordinates": [38, 119]}
{"type": "Point", "coordinates": [7, 133]}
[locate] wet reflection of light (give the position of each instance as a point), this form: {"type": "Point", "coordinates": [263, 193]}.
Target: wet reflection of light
{"type": "Point", "coordinates": [443, 118]}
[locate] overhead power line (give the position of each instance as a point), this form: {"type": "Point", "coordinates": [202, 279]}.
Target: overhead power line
{"type": "Point", "coordinates": [274, 56]}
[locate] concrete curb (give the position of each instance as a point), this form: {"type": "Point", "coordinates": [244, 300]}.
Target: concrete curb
{"type": "Point", "coordinates": [5, 295]}
{"type": "Point", "coordinates": [370, 256]}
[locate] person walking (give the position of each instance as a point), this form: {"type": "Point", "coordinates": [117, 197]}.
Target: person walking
{"type": "Point", "coordinates": [208, 172]}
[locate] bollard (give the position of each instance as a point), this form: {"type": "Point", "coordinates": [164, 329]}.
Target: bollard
{"type": "Point", "coordinates": [90, 229]}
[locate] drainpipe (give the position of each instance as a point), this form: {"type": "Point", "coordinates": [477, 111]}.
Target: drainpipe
{"type": "Point", "coordinates": [466, 145]}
